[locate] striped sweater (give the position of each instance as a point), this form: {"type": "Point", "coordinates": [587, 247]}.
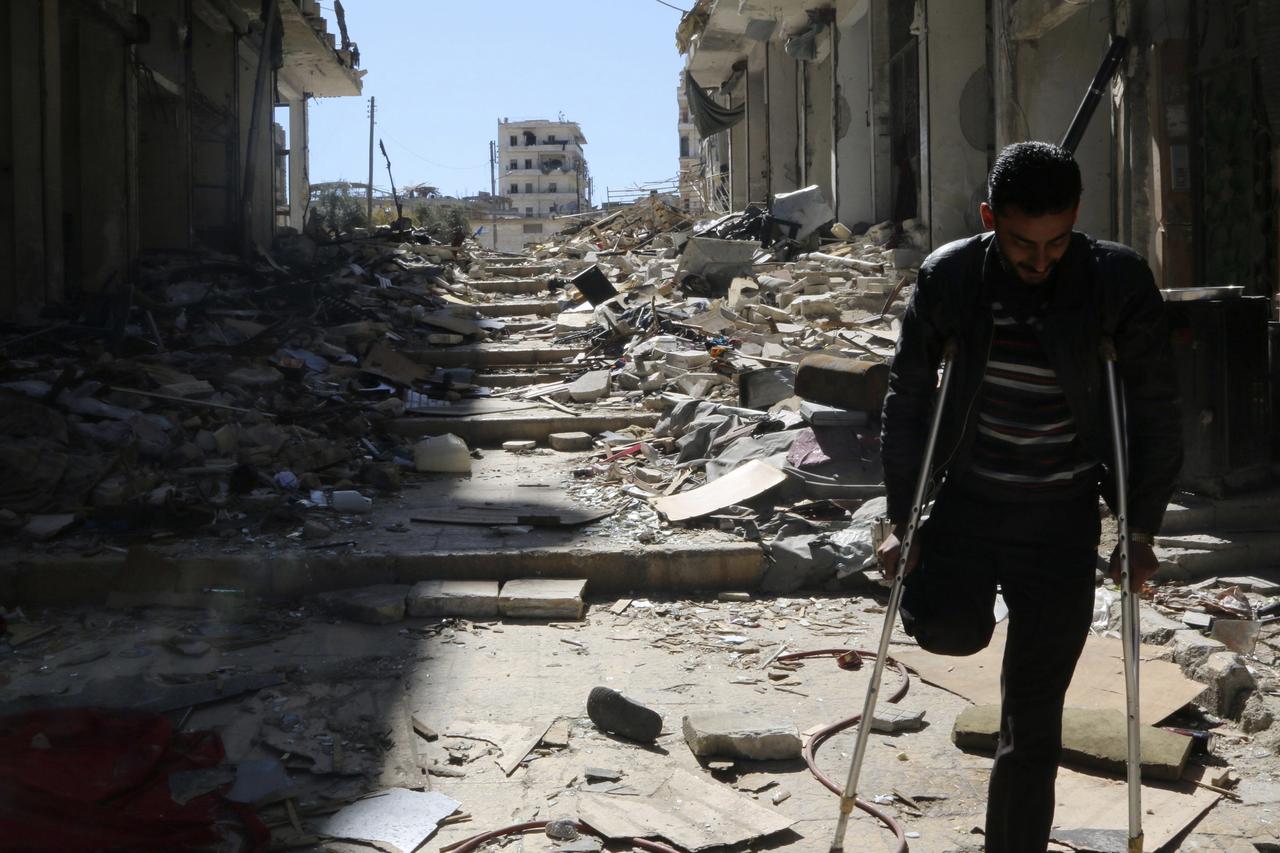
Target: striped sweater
{"type": "Point", "coordinates": [1026, 445]}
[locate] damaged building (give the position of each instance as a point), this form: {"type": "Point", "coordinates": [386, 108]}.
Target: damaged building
{"type": "Point", "coordinates": [152, 125]}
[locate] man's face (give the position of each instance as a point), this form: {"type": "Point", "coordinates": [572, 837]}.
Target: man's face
{"type": "Point", "coordinates": [1031, 245]}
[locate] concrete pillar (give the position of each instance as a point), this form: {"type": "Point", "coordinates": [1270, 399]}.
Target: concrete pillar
{"type": "Point", "coordinates": [955, 125]}
{"type": "Point", "coordinates": [881, 110]}
{"type": "Point", "coordinates": [299, 162]}
{"type": "Point", "coordinates": [51, 130]}
{"type": "Point", "coordinates": [738, 164]}
{"type": "Point", "coordinates": [782, 87]}
{"type": "Point", "coordinates": [1052, 74]}
{"type": "Point", "coordinates": [854, 131]}
{"type": "Point", "coordinates": [819, 121]}
{"type": "Point", "coordinates": [758, 159]}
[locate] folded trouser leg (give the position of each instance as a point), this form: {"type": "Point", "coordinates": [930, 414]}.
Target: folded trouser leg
{"type": "Point", "coordinates": [1049, 593]}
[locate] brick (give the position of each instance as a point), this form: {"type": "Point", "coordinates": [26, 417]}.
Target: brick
{"type": "Point", "coordinates": [469, 599]}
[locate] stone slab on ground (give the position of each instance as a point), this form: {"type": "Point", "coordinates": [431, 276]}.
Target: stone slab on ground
{"type": "Point", "coordinates": [542, 598]}
{"type": "Point", "coordinates": [590, 386]}
{"type": "Point", "coordinates": [380, 604]}
{"type": "Point", "coordinates": [733, 734]}
{"type": "Point", "coordinates": [892, 719]}
{"type": "Point", "coordinates": [470, 599]}
{"type": "Point", "coordinates": [570, 441]}
{"type": "Point", "coordinates": [517, 446]}
{"type": "Point", "coordinates": [1090, 738]}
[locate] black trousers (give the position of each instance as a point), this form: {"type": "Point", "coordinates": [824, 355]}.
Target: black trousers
{"type": "Point", "coordinates": [1042, 557]}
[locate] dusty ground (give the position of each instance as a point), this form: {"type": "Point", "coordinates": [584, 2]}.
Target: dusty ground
{"type": "Point", "coordinates": [349, 692]}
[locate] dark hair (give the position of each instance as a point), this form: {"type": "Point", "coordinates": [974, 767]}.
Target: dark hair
{"type": "Point", "coordinates": [1037, 177]}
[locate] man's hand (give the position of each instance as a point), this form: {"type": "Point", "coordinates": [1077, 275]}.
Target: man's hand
{"type": "Point", "coordinates": [890, 551]}
{"type": "Point", "coordinates": [1142, 564]}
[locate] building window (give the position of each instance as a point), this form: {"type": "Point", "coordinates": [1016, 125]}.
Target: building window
{"type": "Point", "coordinates": [528, 188]}
{"type": "Point", "coordinates": [515, 140]}
{"type": "Point", "coordinates": [515, 188]}
{"type": "Point", "coordinates": [530, 138]}
{"type": "Point", "coordinates": [684, 116]}
{"type": "Point", "coordinates": [551, 139]}
{"type": "Point", "coordinates": [528, 163]}
{"type": "Point", "coordinates": [515, 164]}
{"type": "Point", "coordinates": [551, 187]}
{"type": "Point", "coordinates": [684, 146]}
{"type": "Point", "coordinates": [528, 211]}
{"type": "Point", "coordinates": [533, 228]}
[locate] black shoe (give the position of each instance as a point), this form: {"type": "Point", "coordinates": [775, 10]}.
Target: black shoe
{"type": "Point", "coordinates": [613, 712]}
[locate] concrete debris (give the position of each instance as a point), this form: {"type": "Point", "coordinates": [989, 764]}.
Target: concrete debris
{"type": "Point", "coordinates": [738, 735]}
{"type": "Point", "coordinates": [570, 442]}
{"type": "Point", "coordinates": [467, 599]}
{"type": "Point", "coordinates": [374, 605]}
{"type": "Point", "coordinates": [445, 454]}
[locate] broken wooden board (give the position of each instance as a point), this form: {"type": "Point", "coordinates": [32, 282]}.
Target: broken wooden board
{"type": "Point", "coordinates": [1092, 813]}
{"type": "Point", "coordinates": [691, 813]}
{"type": "Point", "coordinates": [741, 484]}
{"type": "Point", "coordinates": [1098, 680]}
{"type": "Point", "coordinates": [515, 740]}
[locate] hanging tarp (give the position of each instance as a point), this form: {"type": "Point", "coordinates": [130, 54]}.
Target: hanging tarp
{"type": "Point", "coordinates": [710, 117]}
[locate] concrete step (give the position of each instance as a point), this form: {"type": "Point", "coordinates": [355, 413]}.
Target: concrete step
{"type": "Point", "coordinates": [519, 270]}
{"type": "Point", "coordinates": [388, 546]}
{"type": "Point", "coordinates": [490, 430]}
{"type": "Point", "coordinates": [513, 380]}
{"type": "Point", "coordinates": [1196, 557]}
{"type": "Point", "coordinates": [526, 286]}
{"type": "Point", "coordinates": [489, 355]}
{"type": "Point", "coordinates": [518, 309]}
{"type": "Point", "coordinates": [1194, 514]}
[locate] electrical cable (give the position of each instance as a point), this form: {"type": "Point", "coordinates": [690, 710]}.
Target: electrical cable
{"type": "Point", "coordinates": [668, 5]}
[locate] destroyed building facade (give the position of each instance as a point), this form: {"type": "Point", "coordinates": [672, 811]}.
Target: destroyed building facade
{"type": "Point", "coordinates": [544, 170]}
{"type": "Point", "coordinates": [896, 107]}
{"type": "Point", "coordinates": [150, 125]}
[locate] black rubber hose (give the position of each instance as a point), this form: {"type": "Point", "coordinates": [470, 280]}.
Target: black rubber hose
{"type": "Point", "coordinates": [822, 735]}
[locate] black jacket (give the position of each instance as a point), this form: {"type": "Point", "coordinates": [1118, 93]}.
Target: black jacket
{"type": "Point", "coordinates": [1100, 289]}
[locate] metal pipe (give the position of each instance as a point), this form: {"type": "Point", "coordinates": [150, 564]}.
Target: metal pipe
{"type": "Point", "coordinates": [1128, 601]}
{"type": "Point", "coordinates": [1101, 80]}
{"type": "Point", "coordinates": [849, 798]}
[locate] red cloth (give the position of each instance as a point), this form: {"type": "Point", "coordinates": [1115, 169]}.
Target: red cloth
{"type": "Point", "coordinates": [88, 779]}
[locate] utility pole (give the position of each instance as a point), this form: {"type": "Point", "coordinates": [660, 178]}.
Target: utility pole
{"type": "Point", "coordinates": [368, 197]}
{"type": "Point", "coordinates": [493, 192]}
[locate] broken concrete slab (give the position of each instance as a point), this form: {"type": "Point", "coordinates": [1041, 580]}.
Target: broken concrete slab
{"type": "Point", "coordinates": [569, 442]}
{"type": "Point", "coordinates": [738, 735]}
{"type": "Point", "coordinates": [519, 446]}
{"type": "Point", "coordinates": [590, 386]}
{"type": "Point", "coordinates": [1091, 737]}
{"type": "Point", "coordinates": [542, 598]}
{"type": "Point", "coordinates": [1239, 635]}
{"type": "Point", "coordinates": [469, 599]}
{"type": "Point", "coordinates": [1191, 648]}
{"type": "Point", "coordinates": [892, 719]}
{"type": "Point", "coordinates": [1227, 683]}
{"type": "Point", "coordinates": [381, 604]}
{"type": "Point", "coordinates": [43, 527]}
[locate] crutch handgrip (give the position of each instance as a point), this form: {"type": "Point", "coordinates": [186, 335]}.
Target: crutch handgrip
{"type": "Point", "coordinates": [1107, 348]}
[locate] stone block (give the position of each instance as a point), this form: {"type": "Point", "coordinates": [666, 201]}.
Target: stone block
{"type": "Point", "coordinates": [1090, 738]}
{"type": "Point", "coordinates": [1228, 683]}
{"type": "Point", "coordinates": [469, 599]}
{"type": "Point", "coordinates": [517, 446]}
{"type": "Point", "coordinates": [375, 605]}
{"type": "Point", "coordinates": [1191, 648]}
{"type": "Point", "coordinates": [590, 386]}
{"type": "Point", "coordinates": [736, 735]}
{"type": "Point", "coordinates": [1260, 713]}
{"type": "Point", "coordinates": [570, 441]}
{"type": "Point", "coordinates": [542, 598]}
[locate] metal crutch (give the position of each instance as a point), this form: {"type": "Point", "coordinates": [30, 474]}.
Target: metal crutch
{"type": "Point", "coordinates": [849, 798]}
{"type": "Point", "coordinates": [1128, 599]}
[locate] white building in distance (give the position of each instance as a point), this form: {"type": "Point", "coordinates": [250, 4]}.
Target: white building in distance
{"type": "Point", "coordinates": [543, 169]}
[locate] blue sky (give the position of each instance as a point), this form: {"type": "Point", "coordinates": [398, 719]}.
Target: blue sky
{"type": "Point", "coordinates": [444, 71]}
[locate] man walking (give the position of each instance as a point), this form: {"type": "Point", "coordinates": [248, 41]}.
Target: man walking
{"type": "Point", "coordinates": [1024, 452]}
